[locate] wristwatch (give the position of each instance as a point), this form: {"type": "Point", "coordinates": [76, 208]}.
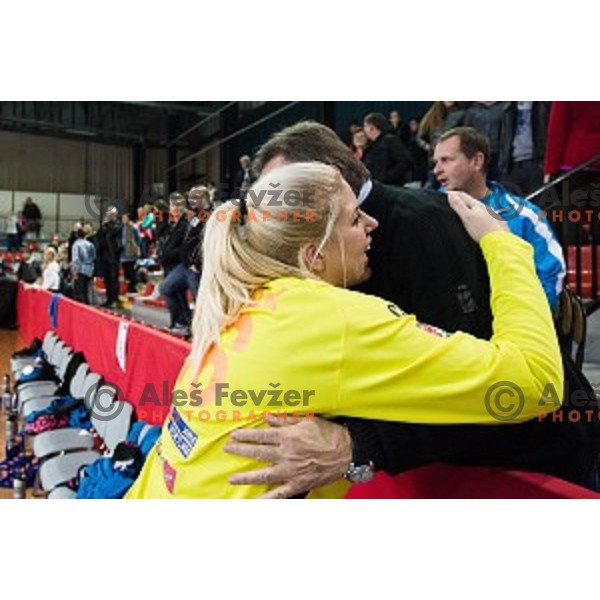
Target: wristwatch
{"type": "Point", "coordinates": [360, 473]}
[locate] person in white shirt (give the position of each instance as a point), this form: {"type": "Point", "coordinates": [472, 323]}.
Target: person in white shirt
{"type": "Point", "coordinates": [51, 271]}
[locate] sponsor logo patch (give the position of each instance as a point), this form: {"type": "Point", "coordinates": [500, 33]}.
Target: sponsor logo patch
{"type": "Point", "coordinates": [182, 435]}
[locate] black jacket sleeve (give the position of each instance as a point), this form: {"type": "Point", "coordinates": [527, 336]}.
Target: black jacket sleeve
{"type": "Point", "coordinates": [400, 161]}
{"type": "Point", "coordinates": [397, 447]}
{"type": "Point", "coordinates": [171, 251]}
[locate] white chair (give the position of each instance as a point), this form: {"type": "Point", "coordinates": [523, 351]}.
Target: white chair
{"type": "Point", "coordinates": [60, 469]}
{"type": "Point", "coordinates": [98, 401]}
{"type": "Point", "coordinates": [48, 343]}
{"type": "Point", "coordinates": [76, 390]}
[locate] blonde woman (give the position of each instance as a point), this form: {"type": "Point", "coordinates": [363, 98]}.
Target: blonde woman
{"type": "Point", "coordinates": [276, 332]}
{"type": "Point", "coordinates": [50, 271]}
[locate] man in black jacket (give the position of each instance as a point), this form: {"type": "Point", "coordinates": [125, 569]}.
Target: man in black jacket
{"type": "Point", "coordinates": [170, 255]}
{"type": "Point", "coordinates": [423, 261]}
{"type": "Point", "coordinates": [108, 241]}
{"type": "Point", "coordinates": [386, 156]}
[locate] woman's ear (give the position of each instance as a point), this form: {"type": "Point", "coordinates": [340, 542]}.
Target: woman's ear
{"type": "Point", "coordinates": [313, 259]}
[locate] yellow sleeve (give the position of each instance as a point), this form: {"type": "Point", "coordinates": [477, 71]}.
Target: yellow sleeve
{"type": "Point", "coordinates": [396, 369]}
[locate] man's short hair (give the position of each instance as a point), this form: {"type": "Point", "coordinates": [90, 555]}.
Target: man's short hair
{"type": "Point", "coordinates": [311, 141]}
{"type": "Point", "coordinates": [377, 120]}
{"type": "Point", "coordinates": [177, 199]}
{"type": "Point", "coordinates": [471, 142]}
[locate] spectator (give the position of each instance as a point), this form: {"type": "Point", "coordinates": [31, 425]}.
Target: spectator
{"type": "Point", "coordinates": [396, 127]}
{"type": "Point", "coordinates": [213, 192]}
{"type": "Point", "coordinates": [55, 242]}
{"type": "Point", "coordinates": [12, 232]}
{"type": "Point", "coordinates": [108, 250]}
{"type": "Point", "coordinates": [386, 157]}
{"type": "Point", "coordinates": [487, 118]}
{"type": "Point", "coordinates": [461, 158]}
{"type": "Point", "coordinates": [171, 260]}
{"type": "Point", "coordinates": [523, 145]}
{"type": "Point", "coordinates": [130, 251]}
{"type": "Point", "coordinates": [50, 272]}
{"type": "Point", "coordinates": [82, 267]}
{"type": "Point", "coordinates": [432, 125]}
{"type": "Point", "coordinates": [244, 178]}
{"type": "Point", "coordinates": [419, 155]}
{"type": "Point", "coordinates": [146, 229]}
{"type": "Point", "coordinates": [200, 205]}
{"type": "Point", "coordinates": [33, 217]}
{"type": "Point", "coordinates": [573, 136]}
{"type": "Point", "coordinates": [359, 143]}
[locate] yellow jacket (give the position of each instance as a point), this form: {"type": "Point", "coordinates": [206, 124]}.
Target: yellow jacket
{"type": "Point", "coordinates": [309, 348]}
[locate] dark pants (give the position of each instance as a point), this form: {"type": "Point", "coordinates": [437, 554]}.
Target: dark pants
{"type": "Point", "coordinates": [81, 288]}
{"type": "Point", "coordinates": [111, 282]}
{"type": "Point", "coordinates": [130, 275]}
{"type": "Point", "coordinates": [174, 290]}
{"type": "Point", "coordinates": [12, 242]}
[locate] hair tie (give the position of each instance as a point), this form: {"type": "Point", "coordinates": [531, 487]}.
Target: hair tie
{"type": "Point", "coordinates": [243, 218]}
{"type": "Point", "coordinates": [243, 211]}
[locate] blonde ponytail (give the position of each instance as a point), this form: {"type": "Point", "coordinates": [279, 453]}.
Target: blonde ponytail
{"type": "Point", "coordinates": [242, 255]}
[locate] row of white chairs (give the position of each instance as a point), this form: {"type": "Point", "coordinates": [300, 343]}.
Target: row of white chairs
{"type": "Point", "coordinates": [63, 452]}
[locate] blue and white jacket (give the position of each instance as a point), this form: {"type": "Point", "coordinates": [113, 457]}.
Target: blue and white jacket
{"type": "Point", "coordinates": [524, 219]}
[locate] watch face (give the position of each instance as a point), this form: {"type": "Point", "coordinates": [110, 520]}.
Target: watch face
{"type": "Point", "coordinates": [361, 473]}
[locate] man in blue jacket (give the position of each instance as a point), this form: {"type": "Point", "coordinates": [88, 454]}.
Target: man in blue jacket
{"type": "Point", "coordinates": [461, 158]}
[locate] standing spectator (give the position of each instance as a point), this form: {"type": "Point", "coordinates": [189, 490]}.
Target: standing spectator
{"type": "Point", "coordinates": [12, 232]}
{"type": "Point", "coordinates": [109, 252]}
{"type": "Point", "coordinates": [213, 192]}
{"type": "Point", "coordinates": [73, 238]}
{"type": "Point", "coordinates": [487, 118]}
{"type": "Point", "coordinates": [386, 157]}
{"type": "Point", "coordinates": [21, 228]}
{"type": "Point", "coordinates": [146, 229]}
{"type": "Point", "coordinates": [33, 217]}
{"type": "Point", "coordinates": [51, 271]}
{"type": "Point", "coordinates": [130, 251]}
{"type": "Point", "coordinates": [244, 178]}
{"type": "Point", "coordinates": [433, 124]}
{"type": "Point", "coordinates": [419, 155]}
{"type": "Point", "coordinates": [573, 136]}
{"type": "Point", "coordinates": [523, 145]}
{"type": "Point", "coordinates": [359, 143]}
{"type": "Point", "coordinates": [82, 267]}
{"type": "Point", "coordinates": [55, 242]}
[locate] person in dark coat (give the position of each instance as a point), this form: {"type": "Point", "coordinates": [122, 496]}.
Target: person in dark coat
{"type": "Point", "coordinates": [108, 241]}
{"type": "Point", "coordinates": [386, 156]}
